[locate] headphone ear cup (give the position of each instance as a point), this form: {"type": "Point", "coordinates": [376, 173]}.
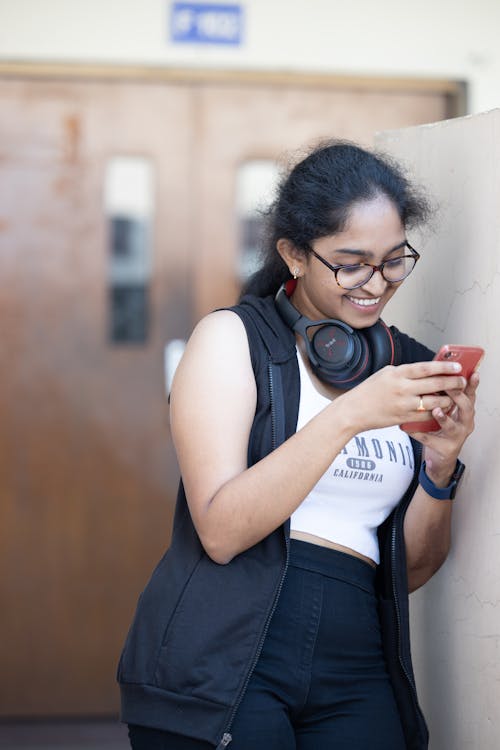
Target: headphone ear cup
{"type": "Point", "coordinates": [381, 344]}
{"type": "Point", "coordinates": [345, 359]}
{"type": "Point", "coordinates": [337, 353]}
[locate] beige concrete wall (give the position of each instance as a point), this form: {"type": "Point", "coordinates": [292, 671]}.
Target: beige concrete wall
{"type": "Point", "coordinates": [454, 297]}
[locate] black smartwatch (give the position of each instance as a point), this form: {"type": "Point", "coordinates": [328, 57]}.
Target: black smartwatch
{"type": "Point", "coordinates": [442, 493]}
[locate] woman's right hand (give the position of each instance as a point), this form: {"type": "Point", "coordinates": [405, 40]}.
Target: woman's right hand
{"type": "Point", "coordinates": [391, 396]}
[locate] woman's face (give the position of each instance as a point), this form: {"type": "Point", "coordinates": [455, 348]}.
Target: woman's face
{"type": "Point", "coordinates": [372, 234]}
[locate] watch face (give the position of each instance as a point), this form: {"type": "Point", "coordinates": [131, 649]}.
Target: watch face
{"type": "Point", "coordinates": [459, 470]}
{"type": "Point", "coordinates": [455, 480]}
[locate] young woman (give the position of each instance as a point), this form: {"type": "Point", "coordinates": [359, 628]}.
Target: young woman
{"type": "Point", "coordinates": [278, 618]}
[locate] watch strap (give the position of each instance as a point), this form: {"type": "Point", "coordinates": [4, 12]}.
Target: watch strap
{"type": "Point", "coordinates": [441, 493]}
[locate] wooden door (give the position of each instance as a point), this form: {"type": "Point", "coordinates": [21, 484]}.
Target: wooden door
{"type": "Point", "coordinates": [87, 470]}
{"type": "Point", "coordinates": [88, 475]}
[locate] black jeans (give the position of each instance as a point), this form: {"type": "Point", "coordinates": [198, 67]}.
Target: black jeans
{"type": "Point", "coordinates": [321, 680]}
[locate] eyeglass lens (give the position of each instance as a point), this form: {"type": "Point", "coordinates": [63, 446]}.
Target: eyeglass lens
{"type": "Point", "coordinates": [393, 270]}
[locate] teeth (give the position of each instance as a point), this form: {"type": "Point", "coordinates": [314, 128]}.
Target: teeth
{"type": "Point", "coordinates": [364, 302]}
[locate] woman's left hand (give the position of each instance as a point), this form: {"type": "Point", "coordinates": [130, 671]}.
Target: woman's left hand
{"type": "Point", "coordinates": [441, 449]}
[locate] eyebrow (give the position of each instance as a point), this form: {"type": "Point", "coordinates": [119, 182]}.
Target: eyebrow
{"type": "Point", "coordinates": [367, 253]}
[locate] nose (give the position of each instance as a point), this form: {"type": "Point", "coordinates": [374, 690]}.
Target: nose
{"type": "Point", "coordinates": [376, 285]}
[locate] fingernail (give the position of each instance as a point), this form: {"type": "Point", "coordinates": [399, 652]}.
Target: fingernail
{"type": "Point", "coordinates": [457, 366]}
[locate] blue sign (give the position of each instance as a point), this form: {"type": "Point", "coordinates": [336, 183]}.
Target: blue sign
{"type": "Point", "coordinates": [201, 23]}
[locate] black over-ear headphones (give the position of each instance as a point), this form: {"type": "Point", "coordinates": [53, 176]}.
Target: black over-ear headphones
{"type": "Point", "coordinates": [339, 355]}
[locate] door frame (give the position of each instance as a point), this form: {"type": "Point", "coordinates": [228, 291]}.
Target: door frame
{"type": "Point", "coordinates": [454, 91]}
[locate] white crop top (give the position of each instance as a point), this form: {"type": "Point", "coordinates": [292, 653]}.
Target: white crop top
{"type": "Point", "coordinates": [361, 487]}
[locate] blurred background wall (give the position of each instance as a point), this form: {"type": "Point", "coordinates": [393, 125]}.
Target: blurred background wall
{"type": "Point", "coordinates": [452, 40]}
{"type": "Point", "coordinates": [132, 166]}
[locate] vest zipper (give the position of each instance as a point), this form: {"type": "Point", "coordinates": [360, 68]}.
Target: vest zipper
{"type": "Point", "coordinates": [409, 677]}
{"type": "Point", "coordinates": [398, 613]}
{"type": "Point", "coordinates": [227, 737]}
{"type": "Point", "coordinates": [274, 417]}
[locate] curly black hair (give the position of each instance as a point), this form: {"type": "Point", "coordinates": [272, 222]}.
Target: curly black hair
{"type": "Point", "coordinates": [315, 197]}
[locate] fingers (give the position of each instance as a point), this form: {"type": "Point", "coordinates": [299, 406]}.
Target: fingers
{"type": "Point", "coordinates": [412, 392]}
{"type": "Point", "coordinates": [433, 401]}
{"type": "Point", "coordinates": [430, 369]}
{"type": "Point", "coordinates": [422, 398]}
{"type": "Point", "coordinates": [455, 424]}
{"type": "Point", "coordinates": [463, 408]}
{"type": "Point", "coordinates": [461, 412]}
{"type": "Point", "coordinates": [459, 395]}
{"type": "Point", "coordinates": [472, 385]}
{"type": "Point", "coordinates": [442, 383]}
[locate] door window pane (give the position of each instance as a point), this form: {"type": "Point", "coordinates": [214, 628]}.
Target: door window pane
{"type": "Point", "coordinates": [256, 183]}
{"type": "Point", "coordinates": [128, 197]}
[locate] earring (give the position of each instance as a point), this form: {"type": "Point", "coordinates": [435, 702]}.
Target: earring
{"type": "Point", "coordinates": [296, 272]}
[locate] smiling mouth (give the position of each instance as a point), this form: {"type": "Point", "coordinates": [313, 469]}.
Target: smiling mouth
{"type": "Point", "coordinates": [362, 302]}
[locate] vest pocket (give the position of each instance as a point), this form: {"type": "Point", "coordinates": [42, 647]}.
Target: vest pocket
{"type": "Point", "coordinates": [215, 629]}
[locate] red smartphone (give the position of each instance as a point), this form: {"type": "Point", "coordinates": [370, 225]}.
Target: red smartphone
{"type": "Point", "coordinates": [469, 357]}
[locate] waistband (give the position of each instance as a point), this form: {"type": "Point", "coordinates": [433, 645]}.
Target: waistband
{"type": "Point", "coordinates": [332, 563]}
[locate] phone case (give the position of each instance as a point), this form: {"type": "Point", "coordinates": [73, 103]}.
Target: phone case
{"type": "Point", "coordinates": [469, 357]}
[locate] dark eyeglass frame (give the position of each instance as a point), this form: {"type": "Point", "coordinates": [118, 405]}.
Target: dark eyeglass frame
{"type": "Point", "coordinates": [414, 254]}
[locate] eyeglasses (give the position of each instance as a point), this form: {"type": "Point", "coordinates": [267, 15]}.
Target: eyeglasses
{"type": "Point", "coordinates": [355, 275]}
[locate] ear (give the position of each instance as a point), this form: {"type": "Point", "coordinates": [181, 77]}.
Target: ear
{"type": "Point", "coordinates": [293, 257]}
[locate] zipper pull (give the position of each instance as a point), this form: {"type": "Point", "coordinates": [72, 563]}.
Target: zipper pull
{"type": "Point", "coordinates": [226, 739]}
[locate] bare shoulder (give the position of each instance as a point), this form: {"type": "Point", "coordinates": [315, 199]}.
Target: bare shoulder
{"type": "Point", "coordinates": [216, 358]}
{"type": "Point", "coordinates": [217, 326]}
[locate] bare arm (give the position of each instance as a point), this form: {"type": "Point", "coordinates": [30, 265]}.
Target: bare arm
{"type": "Point", "coordinates": [212, 408]}
{"type": "Point", "coordinates": [427, 531]}
{"type": "Point", "coordinates": [428, 521]}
